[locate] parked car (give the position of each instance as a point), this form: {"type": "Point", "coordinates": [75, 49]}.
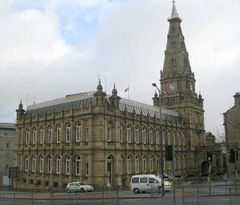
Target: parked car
{"type": "Point", "coordinates": [78, 187]}
{"type": "Point", "coordinates": [148, 183]}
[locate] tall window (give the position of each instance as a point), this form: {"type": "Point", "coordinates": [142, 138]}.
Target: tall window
{"type": "Point", "coordinates": [157, 137]}
{"type": "Point", "coordinates": [27, 136]}
{"type": "Point", "coordinates": [129, 133]}
{"type": "Point", "coordinates": [151, 136]}
{"type": "Point", "coordinates": [109, 132]}
{"type": "Point", "coordinates": [68, 164]}
{"type": "Point", "coordinates": [49, 164]}
{"type": "Point", "coordinates": [136, 135]}
{"type": "Point", "coordinates": [33, 163]}
{"type": "Point", "coordinates": [26, 164]}
{"type": "Point", "coordinates": [41, 165]}
{"type": "Point", "coordinates": [129, 165]}
{"type": "Point", "coordinates": [58, 165]}
{"type": "Point", "coordinates": [78, 165]}
{"type": "Point", "coordinates": [151, 164]}
{"type": "Point", "coordinates": [68, 132]}
{"type": "Point", "coordinates": [137, 165]}
{"type": "Point", "coordinates": [144, 164]}
{"type": "Point", "coordinates": [121, 133]}
{"type": "Point", "coordinates": [78, 132]}
{"type": "Point", "coordinates": [34, 139]}
{"type": "Point", "coordinates": [144, 133]}
{"type": "Point", "coordinates": [58, 134]}
{"type": "Point", "coordinates": [41, 135]}
{"type": "Point", "coordinates": [164, 137]}
{"type": "Point", "coordinates": [49, 135]}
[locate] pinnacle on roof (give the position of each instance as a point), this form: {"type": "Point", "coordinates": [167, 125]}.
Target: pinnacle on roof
{"type": "Point", "coordinates": [114, 91]}
{"type": "Point", "coordinates": [20, 106]}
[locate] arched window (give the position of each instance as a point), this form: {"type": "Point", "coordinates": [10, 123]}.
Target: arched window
{"type": "Point", "coordinates": [34, 138]}
{"type": "Point", "coordinates": [49, 135]}
{"type": "Point", "coordinates": [41, 164]}
{"type": "Point", "coordinates": [129, 165]}
{"type": "Point", "coordinates": [33, 163]}
{"type": "Point", "coordinates": [137, 167]}
{"type": "Point", "coordinates": [164, 136]}
{"type": "Point", "coordinates": [68, 165]}
{"type": "Point", "coordinates": [78, 132]}
{"type": "Point", "coordinates": [27, 136]}
{"type": "Point", "coordinates": [26, 161]}
{"type": "Point", "coordinates": [144, 164]}
{"type": "Point", "coordinates": [41, 140]}
{"type": "Point", "coordinates": [151, 136]}
{"type": "Point", "coordinates": [136, 135]}
{"type": "Point", "coordinates": [129, 134]}
{"type": "Point", "coordinates": [144, 136]}
{"type": "Point", "coordinates": [68, 132]}
{"type": "Point", "coordinates": [151, 163]}
{"type": "Point", "coordinates": [109, 132]}
{"type": "Point", "coordinates": [49, 161]}
{"type": "Point", "coordinates": [58, 165]}
{"type": "Point", "coordinates": [121, 134]}
{"type": "Point", "coordinates": [78, 165]}
{"type": "Point", "coordinates": [157, 137]}
{"type": "Point", "coordinates": [58, 134]}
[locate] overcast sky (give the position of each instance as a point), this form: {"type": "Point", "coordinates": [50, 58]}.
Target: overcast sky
{"type": "Point", "coordinates": [50, 48]}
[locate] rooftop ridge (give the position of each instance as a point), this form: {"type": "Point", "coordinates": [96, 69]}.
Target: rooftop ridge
{"type": "Point", "coordinates": [67, 98]}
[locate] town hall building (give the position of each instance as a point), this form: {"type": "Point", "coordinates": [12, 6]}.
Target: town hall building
{"type": "Point", "coordinates": [102, 139]}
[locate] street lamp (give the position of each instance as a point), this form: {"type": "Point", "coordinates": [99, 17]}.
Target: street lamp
{"type": "Point", "coordinates": [161, 137]}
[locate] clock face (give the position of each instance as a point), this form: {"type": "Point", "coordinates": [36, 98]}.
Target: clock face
{"type": "Point", "coordinates": [173, 86]}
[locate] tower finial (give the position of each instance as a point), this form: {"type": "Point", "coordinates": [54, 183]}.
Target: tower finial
{"type": "Point", "coordinates": [174, 10]}
{"type": "Point", "coordinates": [20, 106]}
{"type": "Point", "coordinates": [174, 13]}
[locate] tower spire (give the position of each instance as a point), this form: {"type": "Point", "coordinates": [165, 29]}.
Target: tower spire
{"type": "Point", "coordinates": [174, 14]}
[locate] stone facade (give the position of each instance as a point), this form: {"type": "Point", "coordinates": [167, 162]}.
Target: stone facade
{"type": "Point", "coordinates": [232, 134]}
{"type": "Point", "coordinates": [7, 149]}
{"type": "Point", "coordinates": [103, 139]}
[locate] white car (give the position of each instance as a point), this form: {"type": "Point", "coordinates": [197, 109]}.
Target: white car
{"type": "Point", "coordinates": [79, 187]}
{"type": "Point", "coordinates": [148, 183]}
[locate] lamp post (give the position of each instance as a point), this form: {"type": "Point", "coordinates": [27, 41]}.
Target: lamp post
{"type": "Point", "coordinates": [161, 137]}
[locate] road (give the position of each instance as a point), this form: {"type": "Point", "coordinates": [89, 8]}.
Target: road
{"type": "Point", "coordinates": [198, 194]}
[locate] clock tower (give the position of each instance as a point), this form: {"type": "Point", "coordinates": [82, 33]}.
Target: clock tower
{"type": "Point", "coordinates": [178, 84]}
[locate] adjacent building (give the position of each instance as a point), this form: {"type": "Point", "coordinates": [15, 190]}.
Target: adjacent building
{"type": "Point", "coordinates": [7, 152]}
{"type": "Point", "coordinates": [103, 139]}
{"type": "Point", "coordinates": [232, 134]}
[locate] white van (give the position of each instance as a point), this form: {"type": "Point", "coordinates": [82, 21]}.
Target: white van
{"type": "Point", "coordinates": [147, 183]}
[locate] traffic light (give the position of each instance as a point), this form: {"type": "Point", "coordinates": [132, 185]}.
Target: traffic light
{"type": "Point", "coordinates": [169, 152]}
{"type": "Point", "coordinates": [232, 156]}
{"type": "Point", "coordinates": [209, 156]}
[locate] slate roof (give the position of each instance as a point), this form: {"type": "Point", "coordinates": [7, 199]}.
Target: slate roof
{"type": "Point", "coordinates": [86, 99]}
{"type": "Point", "coordinates": [7, 125]}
